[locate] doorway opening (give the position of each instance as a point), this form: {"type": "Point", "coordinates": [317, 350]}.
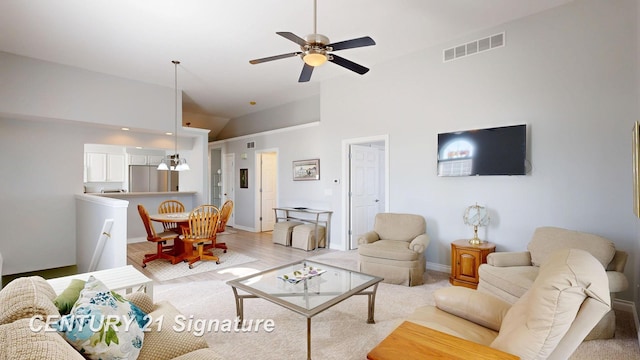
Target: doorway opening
{"type": "Point", "coordinates": [215, 164]}
{"type": "Point", "coordinates": [228, 183]}
{"type": "Point", "coordinates": [267, 189]}
{"type": "Point", "coordinates": [366, 189]}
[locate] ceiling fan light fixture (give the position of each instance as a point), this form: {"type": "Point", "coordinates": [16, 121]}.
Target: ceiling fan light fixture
{"type": "Point", "coordinates": [314, 58]}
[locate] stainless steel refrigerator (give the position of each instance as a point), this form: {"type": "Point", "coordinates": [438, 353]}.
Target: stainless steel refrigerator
{"type": "Point", "coordinates": [147, 178]}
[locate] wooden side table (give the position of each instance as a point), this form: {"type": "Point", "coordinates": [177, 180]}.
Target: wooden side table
{"type": "Point", "coordinates": [465, 261]}
{"type": "Point", "coordinates": [411, 341]}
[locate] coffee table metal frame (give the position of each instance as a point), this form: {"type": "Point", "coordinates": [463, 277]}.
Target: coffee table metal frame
{"type": "Point", "coordinates": [368, 288]}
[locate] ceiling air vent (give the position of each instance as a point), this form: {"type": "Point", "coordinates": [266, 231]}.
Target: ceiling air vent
{"type": "Point", "coordinates": [474, 47]}
{"type": "Point", "coordinates": [251, 145]}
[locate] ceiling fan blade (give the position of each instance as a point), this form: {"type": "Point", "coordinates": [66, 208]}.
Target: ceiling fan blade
{"type": "Point", "coordinates": [271, 58]}
{"type": "Point", "coordinates": [349, 64]}
{"type": "Point", "coordinates": [353, 43]}
{"type": "Point", "coordinates": [293, 37]}
{"type": "Point", "coordinates": [305, 75]}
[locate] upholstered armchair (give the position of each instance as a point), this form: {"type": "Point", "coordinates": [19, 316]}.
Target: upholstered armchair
{"type": "Point", "coordinates": [549, 321]}
{"type": "Point", "coordinates": [508, 275]}
{"type": "Point", "coordinates": [394, 249]}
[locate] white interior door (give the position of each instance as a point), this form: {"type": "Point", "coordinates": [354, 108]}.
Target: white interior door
{"type": "Point", "coordinates": [365, 189]}
{"type": "Point", "coordinates": [268, 190]}
{"type": "Point", "coordinates": [228, 183]}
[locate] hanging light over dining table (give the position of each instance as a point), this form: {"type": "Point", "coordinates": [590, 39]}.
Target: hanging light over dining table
{"type": "Point", "coordinates": [174, 162]}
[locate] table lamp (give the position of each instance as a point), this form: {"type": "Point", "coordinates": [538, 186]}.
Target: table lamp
{"type": "Point", "coordinates": [476, 215]}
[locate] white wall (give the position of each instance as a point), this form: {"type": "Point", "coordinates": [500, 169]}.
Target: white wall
{"type": "Point", "coordinates": [40, 89]}
{"type": "Point", "coordinates": [92, 214]}
{"type": "Point", "coordinates": [568, 73]}
{"type": "Point", "coordinates": [38, 190]}
{"type": "Point", "coordinates": [636, 255]}
{"type": "Point", "coordinates": [47, 113]}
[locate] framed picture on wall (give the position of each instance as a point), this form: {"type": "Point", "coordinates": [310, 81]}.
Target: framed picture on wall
{"type": "Point", "coordinates": [244, 178]}
{"type": "Point", "coordinates": [306, 169]}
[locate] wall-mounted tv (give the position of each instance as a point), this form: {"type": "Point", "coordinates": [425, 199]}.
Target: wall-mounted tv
{"type": "Point", "coordinates": [491, 151]}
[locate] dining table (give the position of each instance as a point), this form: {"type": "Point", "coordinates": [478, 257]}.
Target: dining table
{"type": "Point", "coordinates": [180, 250]}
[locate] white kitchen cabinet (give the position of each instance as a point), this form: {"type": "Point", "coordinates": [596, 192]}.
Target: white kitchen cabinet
{"type": "Point", "coordinates": [103, 167]}
{"type": "Point", "coordinates": [96, 167]}
{"type": "Point", "coordinates": [137, 159]}
{"type": "Point", "coordinates": [145, 159]}
{"type": "Point", "coordinates": [115, 167]}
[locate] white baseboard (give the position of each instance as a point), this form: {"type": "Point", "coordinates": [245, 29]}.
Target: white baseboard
{"type": "Point", "coordinates": [244, 228]}
{"type": "Point", "coordinates": [628, 306]}
{"type": "Point", "coordinates": [136, 240]}
{"type": "Point", "coordinates": [438, 267]}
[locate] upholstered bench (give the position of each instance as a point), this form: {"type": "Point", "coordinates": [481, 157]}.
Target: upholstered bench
{"type": "Point", "coordinates": [304, 237]}
{"type": "Point", "coordinates": [282, 232]}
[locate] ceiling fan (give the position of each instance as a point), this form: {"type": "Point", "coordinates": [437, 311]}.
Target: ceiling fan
{"type": "Point", "coordinates": [315, 50]}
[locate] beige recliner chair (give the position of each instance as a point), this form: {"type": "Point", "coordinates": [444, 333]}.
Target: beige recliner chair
{"type": "Point", "coordinates": [567, 299]}
{"type": "Point", "coordinates": [394, 250]}
{"type": "Point", "coordinates": [508, 275]}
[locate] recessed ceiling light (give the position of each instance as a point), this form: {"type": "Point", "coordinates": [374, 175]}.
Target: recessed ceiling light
{"type": "Point", "coordinates": [138, 147]}
{"type": "Point", "coordinates": [125, 129]}
{"type": "Point", "coordinates": [168, 133]}
{"type": "Point", "coordinates": [252, 102]}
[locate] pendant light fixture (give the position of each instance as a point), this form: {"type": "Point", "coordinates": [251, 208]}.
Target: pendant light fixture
{"type": "Point", "coordinates": [180, 164]}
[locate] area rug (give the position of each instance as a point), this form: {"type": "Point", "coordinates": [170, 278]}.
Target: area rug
{"type": "Point", "coordinates": [340, 332]}
{"type": "Point", "coordinates": [164, 270]}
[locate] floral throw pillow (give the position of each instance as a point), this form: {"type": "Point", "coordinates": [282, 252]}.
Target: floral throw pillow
{"type": "Point", "coordinates": [102, 324]}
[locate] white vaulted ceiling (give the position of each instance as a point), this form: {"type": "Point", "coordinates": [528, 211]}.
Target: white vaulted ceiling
{"type": "Point", "coordinates": [214, 40]}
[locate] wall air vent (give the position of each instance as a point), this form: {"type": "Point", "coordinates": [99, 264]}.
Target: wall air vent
{"type": "Point", "coordinates": [474, 47]}
{"type": "Point", "coordinates": [251, 145]}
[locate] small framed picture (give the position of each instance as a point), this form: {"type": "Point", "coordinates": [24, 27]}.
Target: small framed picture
{"type": "Point", "coordinates": [306, 169]}
{"type": "Point", "coordinates": [244, 178]}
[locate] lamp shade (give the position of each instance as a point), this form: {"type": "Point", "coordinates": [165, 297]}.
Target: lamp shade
{"type": "Point", "coordinates": [182, 165]}
{"type": "Point", "coordinates": [163, 166]}
{"type": "Point", "coordinates": [476, 215]}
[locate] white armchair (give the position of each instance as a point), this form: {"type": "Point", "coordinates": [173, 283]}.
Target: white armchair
{"type": "Point", "coordinates": [567, 299]}
{"type": "Point", "coordinates": [394, 250]}
{"type": "Point", "coordinates": [508, 275]}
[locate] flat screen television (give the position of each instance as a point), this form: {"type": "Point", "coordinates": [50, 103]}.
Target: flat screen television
{"type": "Point", "coordinates": [491, 151]}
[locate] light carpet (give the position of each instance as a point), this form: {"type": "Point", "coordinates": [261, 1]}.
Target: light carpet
{"type": "Point", "coordinates": [341, 332]}
{"type": "Point", "coordinates": [163, 270]}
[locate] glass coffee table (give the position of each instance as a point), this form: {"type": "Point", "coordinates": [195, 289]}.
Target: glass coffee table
{"type": "Point", "coordinates": [307, 288]}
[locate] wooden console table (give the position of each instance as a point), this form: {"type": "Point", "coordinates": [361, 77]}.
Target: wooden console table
{"type": "Point", "coordinates": [317, 217]}
{"type": "Point", "coordinates": [411, 341]}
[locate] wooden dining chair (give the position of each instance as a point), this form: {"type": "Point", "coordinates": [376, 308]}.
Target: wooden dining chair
{"type": "Point", "coordinates": [202, 230]}
{"type": "Point", "coordinates": [171, 206]}
{"type": "Point", "coordinates": [163, 250]}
